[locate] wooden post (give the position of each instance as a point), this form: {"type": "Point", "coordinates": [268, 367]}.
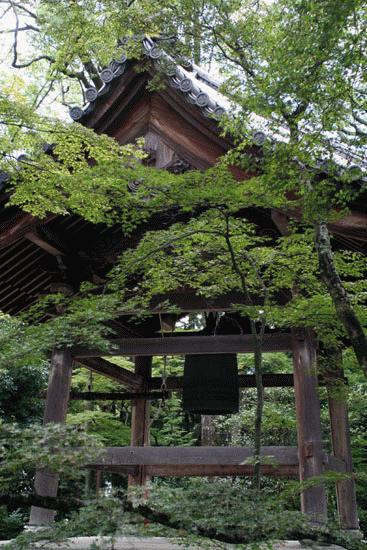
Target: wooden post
{"type": "Point", "coordinates": [46, 483]}
{"type": "Point", "coordinates": [340, 436]}
{"type": "Point", "coordinates": [313, 499]}
{"type": "Point", "coordinates": [140, 420]}
{"type": "Point", "coordinates": [207, 430]}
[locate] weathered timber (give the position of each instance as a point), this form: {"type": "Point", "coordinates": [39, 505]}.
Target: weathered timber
{"type": "Point", "coordinates": [185, 139]}
{"type": "Point", "coordinates": [313, 499]}
{"type": "Point", "coordinates": [275, 380]}
{"type": "Point", "coordinates": [124, 376]}
{"type": "Point", "coordinates": [100, 115]}
{"type": "Point", "coordinates": [124, 103]}
{"type": "Point", "coordinates": [181, 345]}
{"type": "Point", "coordinates": [135, 121]}
{"type": "Point", "coordinates": [207, 430]}
{"type": "Point", "coordinates": [201, 470]}
{"type": "Point", "coordinates": [140, 419]}
{"type": "Point", "coordinates": [46, 483]}
{"type": "Point", "coordinates": [157, 456]}
{"type": "Point", "coordinates": [186, 461]}
{"type": "Point", "coordinates": [244, 381]}
{"type": "Point", "coordinates": [14, 230]}
{"type": "Point", "coordinates": [340, 437]}
{"type": "Point", "coordinates": [116, 396]}
{"type": "Point", "coordinates": [39, 241]}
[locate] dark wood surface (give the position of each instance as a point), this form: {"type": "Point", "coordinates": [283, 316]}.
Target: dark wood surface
{"type": "Point", "coordinates": [203, 461]}
{"type": "Point", "coordinates": [180, 345]}
{"type": "Point", "coordinates": [244, 380]}
{"type": "Point", "coordinates": [154, 456]}
{"type": "Point", "coordinates": [46, 483]}
{"type": "Point", "coordinates": [340, 437]}
{"type": "Point", "coordinates": [115, 396]}
{"type": "Point", "coordinates": [140, 418]}
{"type": "Point", "coordinates": [115, 372]}
{"type": "Point", "coordinates": [313, 499]}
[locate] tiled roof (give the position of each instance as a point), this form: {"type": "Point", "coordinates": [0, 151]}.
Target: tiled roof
{"type": "Point", "coordinates": [196, 85]}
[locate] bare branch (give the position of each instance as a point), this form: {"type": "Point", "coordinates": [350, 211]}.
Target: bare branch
{"type": "Point", "coordinates": [25, 28]}
{"type": "Point", "coordinates": [15, 63]}
{"type": "Point", "coordinates": [21, 7]}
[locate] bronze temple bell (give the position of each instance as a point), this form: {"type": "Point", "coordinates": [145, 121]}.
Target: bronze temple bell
{"type": "Point", "coordinates": [210, 384]}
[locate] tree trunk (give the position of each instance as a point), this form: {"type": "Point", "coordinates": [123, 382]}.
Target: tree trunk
{"type": "Point", "coordinates": [341, 300]}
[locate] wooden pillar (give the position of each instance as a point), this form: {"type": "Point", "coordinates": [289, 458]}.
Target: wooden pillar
{"type": "Point", "coordinates": [310, 454]}
{"type": "Point", "coordinates": [340, 436]}
{"type": "Point", "coordinates": [140, 420]}
{"type": "Point", "coordinates": [46, 483]}
{"type": "Point", "coordinates": [207, 430]}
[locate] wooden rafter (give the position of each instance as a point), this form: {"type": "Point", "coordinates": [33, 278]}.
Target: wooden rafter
{"type": "Point", "coordinates": [41, 242]}
{"type": "Point", "coordinates": [106, 368]}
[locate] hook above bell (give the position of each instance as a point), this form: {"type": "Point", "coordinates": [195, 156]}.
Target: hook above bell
{"type": "Point", "coordinates": [210, 384]}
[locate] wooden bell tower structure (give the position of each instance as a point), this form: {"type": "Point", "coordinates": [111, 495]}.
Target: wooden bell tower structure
{"type": "Point", "coordinates": [179, 124]}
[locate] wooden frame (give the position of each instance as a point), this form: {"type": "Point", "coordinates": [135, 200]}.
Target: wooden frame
{"type": "Point", "coordinates": [181, 345]}
{"type": "Point", "coordinates": [211, 461]}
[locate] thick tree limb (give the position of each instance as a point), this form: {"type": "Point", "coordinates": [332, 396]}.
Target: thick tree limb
{"type": "Point", "coordinates": [55, 503]}
{"type": "Point", "coordinates": [339, 295]}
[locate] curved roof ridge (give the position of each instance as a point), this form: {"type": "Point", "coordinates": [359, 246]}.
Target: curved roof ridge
{"type": "Point", "coordinates": [194, 83]}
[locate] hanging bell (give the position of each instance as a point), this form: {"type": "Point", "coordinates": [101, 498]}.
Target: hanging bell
{"type": "Point", "coordinates": [210, 384]}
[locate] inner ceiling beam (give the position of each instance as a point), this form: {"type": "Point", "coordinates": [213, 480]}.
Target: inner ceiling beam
{"type": "Point", "coordinates": [110, 370]}
{"type": "Point", "coordinates": [39, 241]}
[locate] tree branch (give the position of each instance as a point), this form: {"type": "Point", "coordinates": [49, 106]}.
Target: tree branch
{"type": "Point", "coordinates": [339, 295]}
{"type": "Point", "coordinates": [25, 28]}
{"type": "Point", "coordinates": [20, 6]}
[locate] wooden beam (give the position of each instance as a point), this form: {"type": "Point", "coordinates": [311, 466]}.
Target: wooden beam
{"type": "Point", "coordinates": [106, 368]}
{"type": "Point", "coordinates": [46, 483]}
{"type": "Point", "coordinates": [116, 396]}
{"type": "Point", "coordinates": [202, 470]}
{"type": "Point", "coordinates": [181, 345]}
{"type": "Point", "coordinates": [274, 380]}
{"type": "Point", "coordinates": [313, 499]}
{"type": "Point", "coordinates": [159, 456]}
{"type": "Point", "coordinates": [203, 461]}
{"type": "Point", "coordinates": [18, 226]}
{"type": "Point", "coordinates": [39, 241]}
{"type": "Point", "coordinates": [244, 380]}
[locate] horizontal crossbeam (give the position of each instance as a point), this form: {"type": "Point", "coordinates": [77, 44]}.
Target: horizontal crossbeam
{"type": "Point", "coordinates": [205, 461]}
{"type": "Point", "coordinates": [244, 381]}
{"type": "Point", "coordinates": [116, 396]}
{"type": "Point", "coordinates": [183, 345]}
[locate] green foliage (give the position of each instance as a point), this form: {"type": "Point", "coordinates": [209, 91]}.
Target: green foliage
{"type": "Point", "coordinates": [20, 391]}
{"type": "Point", "coordinates": [103, 425]}
{"type": "Point", "coordinates": [295, 69]}
{"type": "Point", "coordinates": [11, 523]}
{"type": "Point", "coordinates": [55, 447]}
